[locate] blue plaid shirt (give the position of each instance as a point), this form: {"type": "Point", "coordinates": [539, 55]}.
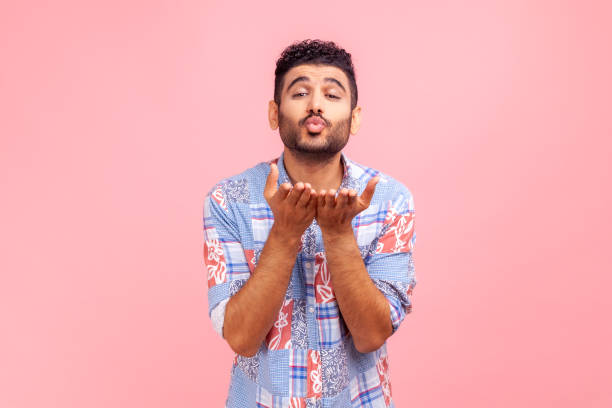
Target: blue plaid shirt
{"type": "Point", "coordinates": [308, 358]}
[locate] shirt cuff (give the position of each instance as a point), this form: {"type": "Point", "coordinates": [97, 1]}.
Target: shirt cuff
{"type": "Point", "coordinates": [217, 315]}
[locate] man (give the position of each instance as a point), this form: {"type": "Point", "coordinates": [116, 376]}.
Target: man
{"type": "Point", "coordinates": [309, 255]}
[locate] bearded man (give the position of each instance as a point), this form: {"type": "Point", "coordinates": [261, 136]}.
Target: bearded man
{"type": "Point", "coordinates": [309, 256]}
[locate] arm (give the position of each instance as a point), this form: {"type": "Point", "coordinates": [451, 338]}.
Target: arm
{"type": "Point", "coordinates": [250, 313]}
{"type": "Point", "coordinates": [374, 297]}
{"type": "Point", "coordinates": [364, 308]}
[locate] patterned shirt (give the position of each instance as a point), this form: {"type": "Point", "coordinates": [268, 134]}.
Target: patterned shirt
{"type": "Point", "coordinates": [308, 358]}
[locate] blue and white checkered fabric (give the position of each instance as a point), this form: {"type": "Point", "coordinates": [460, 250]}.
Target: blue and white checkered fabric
{"type": "Point", "coordinates": [309, 359]}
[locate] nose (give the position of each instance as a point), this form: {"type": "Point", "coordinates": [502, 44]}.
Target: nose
{"type": "Point", "coordinates": [314, 104]}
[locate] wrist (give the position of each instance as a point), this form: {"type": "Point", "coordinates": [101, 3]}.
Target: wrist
{"type": "Point", "coordinates": [290, 238]}
{"type": "Point", "coordinates": [338, 232]}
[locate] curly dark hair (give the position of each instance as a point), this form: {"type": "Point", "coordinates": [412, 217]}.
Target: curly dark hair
{"type": "Point", "coordinates": [314, 52]}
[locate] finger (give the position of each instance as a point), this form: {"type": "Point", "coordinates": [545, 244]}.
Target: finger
{"type": "Point", "coordinates": [342, 199]}
{"type": "Point", "coordinates": [330, 199]}
{"type": "Point", "coordinates": [271, 181]}
{"type": "Point", "coordinates": [352, 198]}
{"type": "Point", "coordinates": [368, 192]}
{"type": "Point", "coordinates": [321, 200]}
{"type": "Point", "coordinates": [283, 191]}
{"type": "Point", "coordinates": [295, 193]}
{"type": "Point", "coordinates": [314, 200]}
{"type": "Point", "coordinates": [305, 197]}
{"type": "Point", "coordinates": [313, 196]}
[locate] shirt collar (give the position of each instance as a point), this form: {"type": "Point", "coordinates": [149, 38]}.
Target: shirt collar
{"type": "Point", "coordinates": [283, 177]}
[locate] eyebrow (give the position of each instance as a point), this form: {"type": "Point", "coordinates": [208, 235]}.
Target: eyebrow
{"type": "Point", "coordinates": [306, 79]}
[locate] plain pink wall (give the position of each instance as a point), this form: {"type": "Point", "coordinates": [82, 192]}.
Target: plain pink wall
{"type": "Point", "coordinates": [116, 117]}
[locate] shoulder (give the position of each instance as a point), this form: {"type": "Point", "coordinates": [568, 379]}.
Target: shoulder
{"type": "Point", "coordinates": [388, 188]}
{"type": "Point", "coordinates": [244, 187]}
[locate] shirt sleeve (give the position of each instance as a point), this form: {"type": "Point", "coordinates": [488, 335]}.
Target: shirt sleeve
{"type": "Point", "coordinates": [390, 262]}
{"type": "Point", "coordinates": [225, 260]}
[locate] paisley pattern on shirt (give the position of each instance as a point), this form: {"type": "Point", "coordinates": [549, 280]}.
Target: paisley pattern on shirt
{"type": "Point", "coordinates": [236, 285]}
{"type": "Point", "coordinates": [248, 365]}
{"type": "Point", "coordinates": [309, 239]}
{"type": "Point", "coordinates": [236, 190]}
{"type": "Point", "coordinates": [299, 335]}
{"type": "Point", "coordinates": [335, 370]}
{"type": "Point", "coordinates": [308, 357]}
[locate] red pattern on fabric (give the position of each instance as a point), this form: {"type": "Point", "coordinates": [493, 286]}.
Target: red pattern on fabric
{"type": "Point", "coordinates": [279, 336]}
{"type": "Point", "coordinates": [217, 195]}
{"type": "Point", "coordinates": [249, 254]}
{"type": "Point", "coordinates": [297, 403]}
{"type": "Point", "coordinates": [324, 293]}
{"type": "Point", "coordinates": [314, 380]}
{"type": "Point", "coordinates": [398, 237]}
{"type": "Point", "coordinates": [382, 367]}
{"type": "Point", "coordinates": [214, 261]}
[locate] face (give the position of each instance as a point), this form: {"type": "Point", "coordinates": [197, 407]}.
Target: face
{"type": "Point", "coordinates": [314, 117]}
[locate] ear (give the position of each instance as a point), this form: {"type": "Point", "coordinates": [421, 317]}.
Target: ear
{"type": "Point", "coordinates": [356, 119]}
{"type": "Point", "coordinates": [273, 114]}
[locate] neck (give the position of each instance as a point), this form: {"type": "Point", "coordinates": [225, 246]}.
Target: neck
{"type": "Point", "coordinates": [322, 175]}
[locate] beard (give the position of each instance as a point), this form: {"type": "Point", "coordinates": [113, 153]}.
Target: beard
{"type": "Point", "coordinates": [307, 149]}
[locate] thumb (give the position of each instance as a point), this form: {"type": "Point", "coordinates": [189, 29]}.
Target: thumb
{"type": "Point", "coordinates": [368, 192]}
{"type": "Point", "coordinates": [271, 181]}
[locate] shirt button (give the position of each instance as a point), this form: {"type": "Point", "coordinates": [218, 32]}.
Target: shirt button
{"type": "Point", "coordinates": [308, 264]}
{"type": "Point", "coordinates": [311, 309]}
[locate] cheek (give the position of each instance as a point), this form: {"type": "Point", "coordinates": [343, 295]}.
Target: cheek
{"type": "Point", "coordinates": [339, 114]}
{"type": "Point", "coordinates": [342, 109]}
{"type": "Point", "coordinates": [291, 111]}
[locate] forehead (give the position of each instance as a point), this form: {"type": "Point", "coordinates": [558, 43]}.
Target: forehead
{"type": "Point", "coordinates": [316, 73]}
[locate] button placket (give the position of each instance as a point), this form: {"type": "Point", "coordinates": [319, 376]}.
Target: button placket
{"type": "Point", "coordinates": [311, 308]}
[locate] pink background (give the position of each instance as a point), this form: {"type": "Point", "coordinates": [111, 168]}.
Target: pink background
{"type": "Point", "coordinates": [117, 117]}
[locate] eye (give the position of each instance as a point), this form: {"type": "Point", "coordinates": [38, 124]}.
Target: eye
{"type": "Point", "coordinates": [300, 93]}
{"type": "Point", "coordinates": [333, 96]}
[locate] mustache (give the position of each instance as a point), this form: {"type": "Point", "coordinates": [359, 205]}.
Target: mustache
{"type": "Point", "coordinates": [319, 116]}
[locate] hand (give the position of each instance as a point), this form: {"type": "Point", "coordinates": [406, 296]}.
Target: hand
{"type": "Point", "coordinates": [293, 208]}
{"type": "Point", "coordinates": [334, 215]}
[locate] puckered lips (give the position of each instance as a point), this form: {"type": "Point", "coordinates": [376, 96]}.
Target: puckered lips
{"type": "Point", "coordinates": [314, 124]}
